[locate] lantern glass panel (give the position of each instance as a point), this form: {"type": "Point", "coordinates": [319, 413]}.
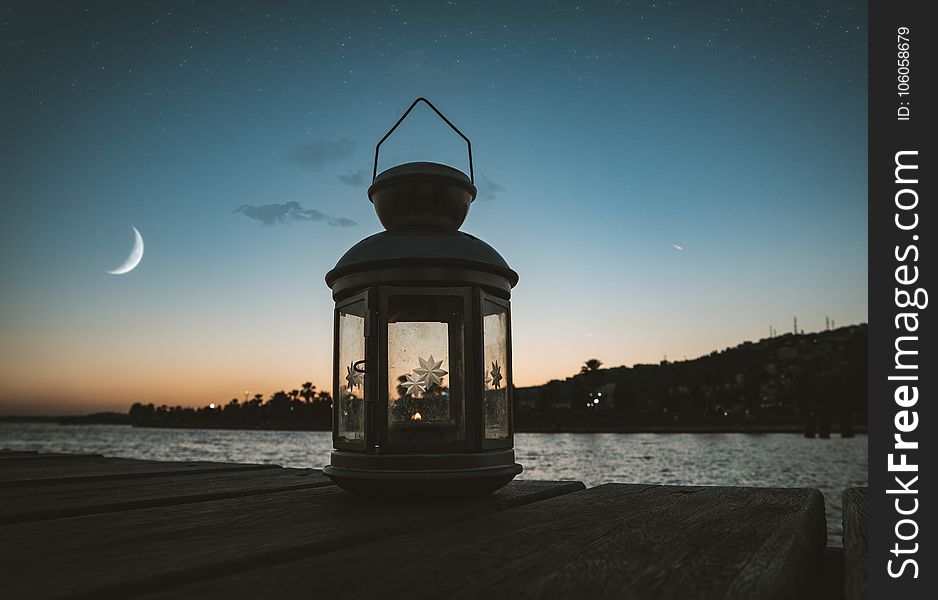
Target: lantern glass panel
{"type": "Point", "coordinates": [350, 385]}
{"type": "Point", "coordinates": [425, 369]}
{"type": "Point", "coordinates": [496, 370]}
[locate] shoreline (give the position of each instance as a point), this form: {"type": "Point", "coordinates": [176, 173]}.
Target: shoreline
{"type": "Point", "coordinates": [753, 428]}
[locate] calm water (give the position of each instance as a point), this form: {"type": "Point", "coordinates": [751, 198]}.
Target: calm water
{"type": "Point", "coordinates": [784, 460]}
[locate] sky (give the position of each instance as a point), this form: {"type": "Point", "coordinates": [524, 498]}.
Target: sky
{"type": "Point", "coordinates": [668, 179]}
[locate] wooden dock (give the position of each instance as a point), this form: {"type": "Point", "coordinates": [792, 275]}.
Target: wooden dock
{"type": "Point", "coordinates": [95, 527]}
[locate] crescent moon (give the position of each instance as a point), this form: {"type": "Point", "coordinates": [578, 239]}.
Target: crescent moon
{"type": "Point", "coordinates": [135, 255]}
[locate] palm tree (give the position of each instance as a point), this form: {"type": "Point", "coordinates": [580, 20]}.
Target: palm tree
{"type": "Point", "coordinates": [590, 366]}
{"type": "Point", "coordinates": [279, 404]}
{"type": "Point", "coordinates": [590, 372]}
{"type": "Point", "coordinates": [308, 391]}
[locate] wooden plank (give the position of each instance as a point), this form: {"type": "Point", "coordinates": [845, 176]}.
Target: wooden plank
{"type": "Point", "coordinates": [613, 541]}
{"type": "Point", "coordinates": [6, 456]}
{"type": "Point", "coordinates": [831, 587]}
{"type": "Point", "coordinates": [57, 470]}
{"type": "Point", "coordinates": [856, 524]}
{"type": "Point", "coordinates": [4, 452]}
{"type": "Point", "coordinates": [90, 496]}
{"type": "Point", "coordinates": [119, 554]}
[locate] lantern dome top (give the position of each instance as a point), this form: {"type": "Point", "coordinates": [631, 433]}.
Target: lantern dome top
{"type": "Point", "coordinates": [422, 194]}
{"type": "Point", "coordinates": [417, 247]}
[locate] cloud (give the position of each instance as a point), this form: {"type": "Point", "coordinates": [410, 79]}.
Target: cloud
{"type": "Point", "coordinates": [320, 152]}
{"type": "Point", "coordinates": [274, 214]}
{"type": "Point", "coordinates": [355, 178]}
{"type": "Point", "coordinates": [487, 189]}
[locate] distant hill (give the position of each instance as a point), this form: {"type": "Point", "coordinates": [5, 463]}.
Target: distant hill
{"type": "Point", "coordinates": [815, 381]}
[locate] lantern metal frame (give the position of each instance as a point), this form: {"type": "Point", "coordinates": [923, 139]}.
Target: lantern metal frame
{"type": "Point", "coordinates": [422, 254]}
{"type": "Point", "coordinates": [382, 423]}
{"type": "Point", "coordinates": [368, 383]}
{"type": "Point", "coordinates": [509, 442]}
{"type": "Point", "coordinates": [376, 399]}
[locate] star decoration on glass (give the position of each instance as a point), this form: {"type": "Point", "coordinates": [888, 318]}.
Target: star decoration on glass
{"type": "Point", "coordinates": [487, 380]}
{"type": "Point", "coordinates": [496, 375]}
{"type": "Point", "coordinates": [354, 378]}
{"type": "Point", "coordinates": [430, 371]}
{"type": "Point", "coordinates": [413, 385]}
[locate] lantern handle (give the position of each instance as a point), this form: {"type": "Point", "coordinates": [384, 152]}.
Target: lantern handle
{"type": "Point", "coordinates": [374, 173]}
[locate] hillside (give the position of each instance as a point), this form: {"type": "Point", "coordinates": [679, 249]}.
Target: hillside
{"type": "Point", "coordinates": [812, 380]}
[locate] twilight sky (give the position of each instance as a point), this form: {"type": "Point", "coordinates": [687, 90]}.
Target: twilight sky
{"type": "Point", "coordinates": [238, 138]}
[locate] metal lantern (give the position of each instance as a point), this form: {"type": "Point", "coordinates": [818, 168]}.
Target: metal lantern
{"type": "Point", "coordinates": [422, 356]}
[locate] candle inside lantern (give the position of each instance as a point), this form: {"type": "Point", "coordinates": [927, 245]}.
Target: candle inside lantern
{"type": "Point", "coordinates": [416, 417]}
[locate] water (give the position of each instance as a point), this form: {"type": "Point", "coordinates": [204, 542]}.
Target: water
{"type": "Point", "coordinates": [783, 460]}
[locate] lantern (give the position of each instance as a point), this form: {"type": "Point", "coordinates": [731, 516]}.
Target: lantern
{"type": "Point", "coordinates": [422, 355]}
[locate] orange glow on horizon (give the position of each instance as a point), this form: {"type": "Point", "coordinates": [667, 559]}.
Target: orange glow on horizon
{"type": "Point", "coordinates": [68, 376]}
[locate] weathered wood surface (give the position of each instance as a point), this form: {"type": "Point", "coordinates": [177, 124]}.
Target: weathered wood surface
{"type": "Point", "coordinates": [856, 525]}
{"type": "Point", "coordinates": [613, 541]}
{"type": "Point", "coordinates": [74, 498]}
{"type": "Point", "coordinates": [166, 531]}
{"type": "Point", "coordinates": [57, 469]}
{"type": "Point", "coordinates": [131, 551]}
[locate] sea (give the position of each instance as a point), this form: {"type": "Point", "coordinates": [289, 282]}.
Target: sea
{"type": "Point", "coordinates": [772, 459]}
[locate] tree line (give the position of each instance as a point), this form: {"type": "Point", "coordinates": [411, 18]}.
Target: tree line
{"type": "Point", "coordinates": [301, 408]}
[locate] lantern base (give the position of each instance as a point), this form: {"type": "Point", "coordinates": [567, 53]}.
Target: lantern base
{"type": "Point", "coordinates": [428, 476]}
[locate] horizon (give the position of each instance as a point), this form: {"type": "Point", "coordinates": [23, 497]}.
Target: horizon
{"type": "Point", "coordinates": [267, 395]}
{"type": "Point", "coordinates": [665, 180]}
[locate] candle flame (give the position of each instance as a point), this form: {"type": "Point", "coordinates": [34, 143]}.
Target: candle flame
{"type": "Point", "coordinates": [416, 417]}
